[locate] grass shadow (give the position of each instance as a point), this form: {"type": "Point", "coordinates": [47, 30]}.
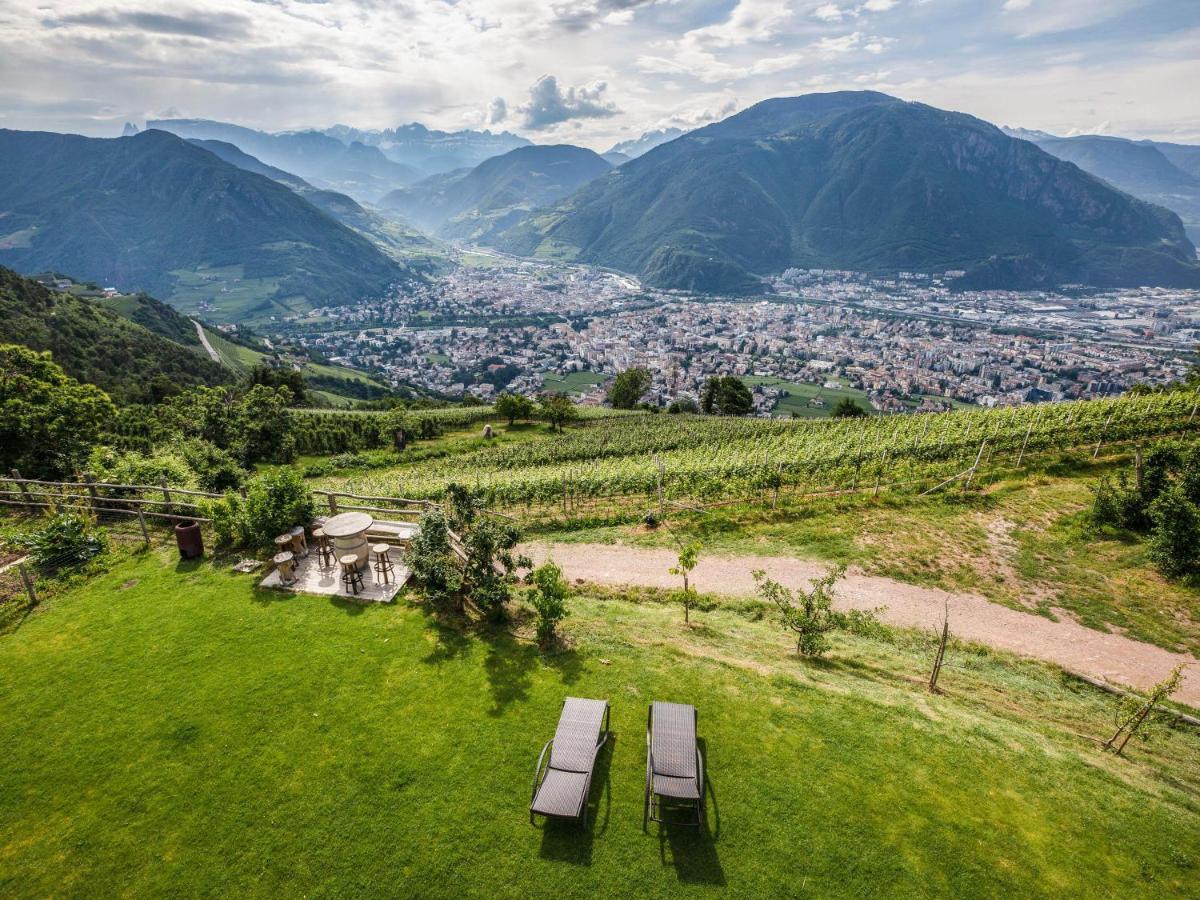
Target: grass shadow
{"type": "Point", "coordinates": [509, 667]}
{"type": "Point", "coordinates": [452, 642]}
{"type": "Point", "coordinates": [693, 851]}
{"type": "Point", "coordinates": [567, 662]}
{"type": "Point", "coordinates": [571, 842]}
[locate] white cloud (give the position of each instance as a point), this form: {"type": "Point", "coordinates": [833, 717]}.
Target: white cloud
{"type": "Point", "coordinates": [882, 5]}
{"type": "Point", "coordinates": [497, 111]}
{"type": "Point", "coordinates": [550, 105]}
{"type": "Point", "coordinates": [830, 12]}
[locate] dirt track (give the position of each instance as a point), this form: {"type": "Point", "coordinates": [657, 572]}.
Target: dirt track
{"type": "Point", "coordinates": [1066, 643]}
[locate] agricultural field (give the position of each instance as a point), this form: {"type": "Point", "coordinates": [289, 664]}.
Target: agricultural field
{"type": "Point", "coordinates": [702, 458]}
{"type": "Point", "coordinates": [266, 744]}
{"type": "Point", "coordinates": [800, 397]}
{"type": "Point", "coordinates": [233, 297]}
{"type": "Point", "coordinates": [577, 383]}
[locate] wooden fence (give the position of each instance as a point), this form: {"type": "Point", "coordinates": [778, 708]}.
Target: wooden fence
{"type": "Point", "coordinates": [162, 501]}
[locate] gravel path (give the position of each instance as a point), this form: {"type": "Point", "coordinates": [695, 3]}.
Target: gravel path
{"type": "Point", "coordinates": [1066, 643]}
{"type": "Point", "coordinates": [216, 357]}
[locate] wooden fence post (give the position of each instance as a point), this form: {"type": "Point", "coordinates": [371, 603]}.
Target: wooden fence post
{"type": "Point", "coordinates": [879, 474]}
{"type": "Point", "coordinates": [24, 490]}
{"type": "Point", "coordinates": [142, 522]}
{"type": "Point", "coordinates": [332, 498]}
{"type": "Point", "coordinates": [1024, 443]}
{"type": "Point", "coordinates": [975, 467]}
{"type": "Point", "coordinates": [89, 480]}
{"type": "Point", "coordinates": [28, 582]}
{"type": "Point", "coordinates": [166, 491]}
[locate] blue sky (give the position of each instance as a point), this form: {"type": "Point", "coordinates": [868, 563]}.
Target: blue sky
{"type": "Point", "coordinates": [593, 71]}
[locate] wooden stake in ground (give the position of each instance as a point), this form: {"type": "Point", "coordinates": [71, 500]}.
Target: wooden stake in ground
{"type": "Point", "coordinates": [142, 522]}
{"type": "Point", "coordinates": [1135, 714]}
{"type": "Point", "coordinates": [28, 582]}
{"type": "Point", "coordinates": [941, 652]}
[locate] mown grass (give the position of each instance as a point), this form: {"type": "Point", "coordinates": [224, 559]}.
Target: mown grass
{"type": "Point", "coordinates": [171, 729]}
{"type": "Point", "coordinates": [1024, 541]}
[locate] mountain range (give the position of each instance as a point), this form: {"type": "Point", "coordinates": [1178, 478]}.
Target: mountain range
{"type": "Point", "coordinates": [431, 151]}
{"type": "Point", "coordinates": [862, 181]}
{"type": "Point", "coordinates": [153, 212]}
{"type": "Point", "coordinates": [355, 168]}
{"type": "Point", "coordinates": [475, 204]}
{"type": "Point", "coordinates": [1165, 174]}
{"type": "Point", "coordinates": [636, 147]}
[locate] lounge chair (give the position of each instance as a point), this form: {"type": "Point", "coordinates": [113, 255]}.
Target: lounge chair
{"type": "Point", "coordinates": [562, 789]}
{"type": "Point", "coordinates": [674, 766]}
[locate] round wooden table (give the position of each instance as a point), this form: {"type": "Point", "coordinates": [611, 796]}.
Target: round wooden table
{"type": "Point", "coordinates": [349, 533]}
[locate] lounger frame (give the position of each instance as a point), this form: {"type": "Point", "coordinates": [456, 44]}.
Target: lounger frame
{"type": "Point", "coordinates": [653, 802]}
{"type": "Point", "coordinates": [540, 773]}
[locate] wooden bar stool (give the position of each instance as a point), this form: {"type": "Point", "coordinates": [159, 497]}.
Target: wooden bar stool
{"type": "Point", "coordinates": [299, 542]}
{"type": "Point", "coordinates": [286, 564]}
{"type": "Point", "coordinates": [384, 570]}
{"type": "Point", "coordinates": [324, 548]}
{"type": "Point", "coordinates": [351, 577]}
{"type": "Point", "coordinates": [283, 544]}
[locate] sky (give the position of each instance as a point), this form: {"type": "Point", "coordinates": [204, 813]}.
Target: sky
{"type": "Point", "coordinates": [593, 72]}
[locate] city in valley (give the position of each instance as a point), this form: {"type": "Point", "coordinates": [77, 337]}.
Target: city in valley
{"type": "Point", "coordinates": [812, 337]}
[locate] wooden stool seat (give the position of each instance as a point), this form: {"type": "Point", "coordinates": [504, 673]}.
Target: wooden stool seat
{"type": "Point", "coordinates": [299, 544]}
{"type": "Point", "coordinates": [324, 548]}
{"type": "Point", "coordinates": [384, 570]}
{"type": "Point", "coordinates": [285, 562]}
{"type": "Point", "coordinates": [283, 542]}
{"type": "Point", "coordinates": [352, 578]}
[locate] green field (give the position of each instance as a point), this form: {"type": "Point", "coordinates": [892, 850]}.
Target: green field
{"type": "Point", "coordinates": [235, 298]}
{"type": "Point", "coordinates": [797, 403]}
{"type": "Point", "coordinates": [574, 382]}
{"type": "Point", "coordinates": [170, 729]}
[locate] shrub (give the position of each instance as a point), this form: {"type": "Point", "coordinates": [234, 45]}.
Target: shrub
{"type": "Point", "coordinates": [810, 613]}
{"type": "Point", "coordinates": [214, 469]}
{"type": "Point", "coordinates": [127, 467]}
{"type": "Point", "coordinates": [432, 566]}
{"type": "Point", "coordinates": [65, 541]}
{"type": "Point", "coordinates": [1175, 542]}
{"type": "Point", "coordinates": [274, 503]}
{"type": "Point", "coordinates": [549, 598]}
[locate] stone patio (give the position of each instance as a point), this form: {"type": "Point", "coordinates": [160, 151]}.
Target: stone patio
{"type": "Point", "coordinates": [312, 578]}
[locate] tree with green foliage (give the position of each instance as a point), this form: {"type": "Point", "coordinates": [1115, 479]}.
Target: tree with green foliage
{"type": "Point", "coordinates": [49, 422]}
{"type": "Point", "coordinates": [282, 376]}
{"type": "Point", "coordinates": [549, 599]}
{"type": "Point", "coordinates": [513, 407]}
{"type": "Point", "coordinates": [847, 408]}
{"type": "Point", "coordinates": [688, 557]}
{"type": "Point", "coordinates": [809, 614]}
{"type": "Point", "coordinates": [265, 429]}
{"type": "Point", "coordinates": [558, 410]}
{"type": "Point", "coordinates": [726, 395]}
{"type": "Point", "coordinates": [628, 387]}
{"type": "Point", "coordinates": [683, 405]}
{"type": "Point", "coordinates": [274, 503]}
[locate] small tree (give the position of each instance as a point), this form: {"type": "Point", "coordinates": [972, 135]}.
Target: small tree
{"type": "Point", "coordinates": [274, 503]}
{"type": "Point", "coordinates": [513, 407]}
{"type": "Point", "coordinates": [628, 387]}
{"type": "Point", "coordinates": [431, 562]}
{"type": "Point", "coordinates": [549, 598]}
{"type": "Point", "coordinates": [558, 410]}
{"type": "Point", "coordinates": [808, 613]}
{"type": "Point", "coordinates": [847, 408]}
{"type": "Point", "coordinates": [688, 558]}
{"type": "Point", "coordinates": [1133, 711]}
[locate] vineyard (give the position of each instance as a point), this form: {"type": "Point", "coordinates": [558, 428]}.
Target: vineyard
{"type": "Point", "coordinates": [706, 459]}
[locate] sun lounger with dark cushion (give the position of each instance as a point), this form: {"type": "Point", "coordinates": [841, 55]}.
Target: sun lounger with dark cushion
{"type": "Point", "coordinates": [674, 766]}
{"type": "Point", "coordinates": [562, 789]}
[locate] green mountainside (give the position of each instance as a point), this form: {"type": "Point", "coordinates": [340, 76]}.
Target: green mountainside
{"type": "Point", "coordinates": [1140, 168]}
{"type": "Point", "coordinates": [403, 244]}
{"type": "Point", "coordinates": [863, 181]}
{"type": "Point", "coordinates": [474, 204]}
{"type": "Point", "coordinates": [155, 213]}
{"type": "Point", "coordinates": [132, 362]}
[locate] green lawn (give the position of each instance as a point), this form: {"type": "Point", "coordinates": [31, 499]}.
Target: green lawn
{"type": "Point", "coordinates": [574, 382]}
{"type": "Point", "coordinates": [170, 729]}
{"type": "Point", "coordinates": [800, 394]}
